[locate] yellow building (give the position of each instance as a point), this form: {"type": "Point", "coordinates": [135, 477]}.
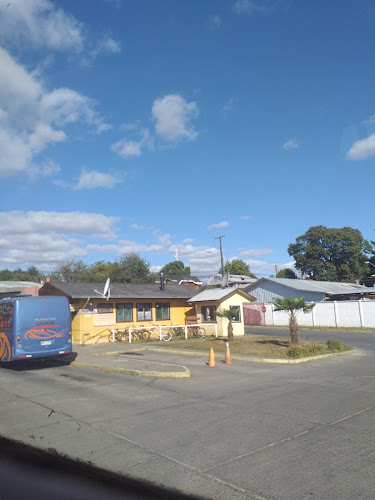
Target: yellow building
{"type": "Point", "coordinates": [128, 305]}
{"type": "Point", "coordinates": [208, 302]}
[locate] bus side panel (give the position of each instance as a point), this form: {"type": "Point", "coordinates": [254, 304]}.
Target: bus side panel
{"type": "Point", "coordinates": [6, 333]}
{"type": "Point", "coordinates": [5, 346]}
{"type": "Point", "coordinates": [42, 327]}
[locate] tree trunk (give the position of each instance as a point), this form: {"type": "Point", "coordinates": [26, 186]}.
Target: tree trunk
{"type": "Point", "coordinates": [230, 332]}
{"type": "Point", "coordinates": [293, 328]}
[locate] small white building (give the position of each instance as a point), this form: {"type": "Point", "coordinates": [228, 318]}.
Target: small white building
{"type": "Point", "coordinates": [208, 302]}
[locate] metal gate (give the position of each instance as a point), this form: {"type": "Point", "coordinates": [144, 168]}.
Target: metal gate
{"type": "Point", "coordinates": [254, 314]}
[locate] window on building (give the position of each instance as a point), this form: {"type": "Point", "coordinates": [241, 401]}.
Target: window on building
{"type": "Point", "coordinates": [163, 310]}
{"type": "Point", "coordinates": [105, 307]}
{"type": "Point", "coordinates": [238, 317]}
{"type": "Point", "coordinates": [208, 314]}
{"type": "Point", "coordinates": [124, 312]}
{"type": "Point", "coordinates": [144, 312]}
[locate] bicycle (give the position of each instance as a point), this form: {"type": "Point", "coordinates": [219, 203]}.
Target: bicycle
{"type": "Point", "coordinates": [119, 335]}
{"type": "Point", "coordinates": [196, 331]}
{"type": "Point", "coordinates": [140, 334]}
{"type": "Point", "coordinates": [164, 335]}
{"type": "Point", "coordinates": [178, 332]}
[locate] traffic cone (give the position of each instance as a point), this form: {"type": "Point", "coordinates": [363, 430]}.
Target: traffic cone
{"type": "Point", "coordinates": [228, 359]}
{"type": "Point", "coordinates": [211, 358]}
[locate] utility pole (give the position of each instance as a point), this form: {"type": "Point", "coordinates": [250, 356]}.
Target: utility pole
{"type": "Point", "coordinates": [221, 253]}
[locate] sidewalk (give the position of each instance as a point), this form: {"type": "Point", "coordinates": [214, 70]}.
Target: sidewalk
{"type": "Point", "coordinates": [127, 359]}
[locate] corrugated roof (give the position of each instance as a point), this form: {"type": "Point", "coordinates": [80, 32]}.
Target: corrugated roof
{"type": "Point", "coordinates": [16, 286]}
{"type": "Point", "coordinates": [310, 285]}
{"type": "Point", "coordinates": [217, 278]}
{"type": "Point", "coordinates": [216, 294]}
{"type": "Point", "coordinates": [119, 290]}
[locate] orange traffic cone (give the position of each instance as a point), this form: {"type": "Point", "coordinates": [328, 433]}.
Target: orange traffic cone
{"type": "Point", "coordinates": [211, 358]}
{"type": "Point", "coordinates": [228, 359]}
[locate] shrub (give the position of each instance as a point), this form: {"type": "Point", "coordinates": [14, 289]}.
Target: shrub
{"type": "Point", "coordinates": [334, 345]}
{"type": "Point", "coordinates": [315, 348]}
{"type": "Point", "coordinates": [296, 352]}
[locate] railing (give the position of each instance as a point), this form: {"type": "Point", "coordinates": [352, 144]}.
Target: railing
{"type": "Point", "coordinates": [161, 327]}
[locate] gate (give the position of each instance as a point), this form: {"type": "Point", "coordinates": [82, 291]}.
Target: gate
{"type": "Point", "coordinates": [254, 314]}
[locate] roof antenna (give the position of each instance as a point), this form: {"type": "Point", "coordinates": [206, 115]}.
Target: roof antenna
{"type": "Point", "coordinates": [107, 291]}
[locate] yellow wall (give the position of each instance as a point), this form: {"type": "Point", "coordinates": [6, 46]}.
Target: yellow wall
{"type": "Point", "coordinates": [89, 326]}
{"type": "Point", "coordinates": [222, 323]}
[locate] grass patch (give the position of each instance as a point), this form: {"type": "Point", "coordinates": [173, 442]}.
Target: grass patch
{"type": "Point", "coordinates": [273, 347]}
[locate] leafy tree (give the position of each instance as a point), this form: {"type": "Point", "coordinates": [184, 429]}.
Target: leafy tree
{"type": "Point", "coordinates": [31, 274]}
{"type": "Point", "coordinates": [100, 271]}
{"type": "Point", "coordinates": [176, 267]}
{"type": "Point", "coordinates": [131, 268]}
{"type": "Point", "coordinates": [371, 260]}
{"type": "Point", "coordinates": [230, 315]}
{"type": "Point", "coordinates": [331, 254]}
{"type": "Point", "coordinates": [292, 305]}
{"type": "Point", "coordinates": [286, 273]}
{"type": "Point", "coordinates": [71, 271]}
{"type": "Point", "coordinates": [238, 266]}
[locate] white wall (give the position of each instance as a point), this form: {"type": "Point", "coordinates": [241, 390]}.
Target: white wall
{"type": "Point", "coordinates": [349, 313]}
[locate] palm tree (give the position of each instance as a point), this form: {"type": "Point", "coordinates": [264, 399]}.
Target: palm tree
{"type": "Point", "coordinates": [230, 315]}
{"type": "Point", "coordinates": [292, 306]}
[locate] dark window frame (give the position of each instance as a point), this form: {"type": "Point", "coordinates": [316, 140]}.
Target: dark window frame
{"type": "Point", "coordinates": [143, 305]}
{"type": "Point", "coordinates": [213, 316]}
{"type": "Point", "coordinates": [239, 314]}
{"type": "Point", "coordinates": [122, 305]}
{"type": "Point", "coordinates": [105, 307]}
{"type": "Point", "coordinates": [160, 306]}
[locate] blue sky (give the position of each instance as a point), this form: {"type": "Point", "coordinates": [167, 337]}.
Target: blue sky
{"type": "Point", "coordinates": [150, 126]}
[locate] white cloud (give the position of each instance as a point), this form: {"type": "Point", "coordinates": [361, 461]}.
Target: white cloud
{"type": "Point", "coordinates": [219, 225]}
{"type": "Point", "coordinates": [33, 119]}
{"type": "Point", "coordinates": [127, 148]}
{"type": "Point", "coordinates": [92, 179]}
{"type": "Point", "coordinates": [252, 6]}
{"type": "Point", "coordinates": [290, 144]}
{"type": "Point", "coordinates": [39, 24]}
{"type": "Point", "coordinates": [254, 252]}
{"type": "Point", "coordinates": [173, 116]}
{"type": "Point", "coordinates": [245, 217]}
{"type": "Point", "coordinates": [45, 238]}
{"type": "Point", "coordinates": [229, 106]}
{"type": "Point", "coordinates": [214, 21]}
{"type": "Point", "coordinates": [362, 149]}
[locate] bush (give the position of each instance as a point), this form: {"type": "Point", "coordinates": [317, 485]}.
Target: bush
{"type": "Point", "coordinates": [315, 349]}
{"type": "Point", "coordinates": [296, 352]}
{"type": "Point", "coordinates": [334, 345]}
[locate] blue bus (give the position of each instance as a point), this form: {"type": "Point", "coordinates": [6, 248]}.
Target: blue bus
{"type": "Point", "coordinates": [34, 327]}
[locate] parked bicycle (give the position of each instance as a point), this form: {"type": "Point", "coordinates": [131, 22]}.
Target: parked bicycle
{"type": "Point", "coordinates": [118, 335]}
{"type": "Point", "coordinates": [196, 331]}
{"type": "Point", "coordinates": [164, 335]}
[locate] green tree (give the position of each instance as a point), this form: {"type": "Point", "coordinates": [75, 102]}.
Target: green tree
{"type": "Point", "coordinates": [100, 271]}
{"type": "Point", "coordinates": [230, 315]}
{"type": "Point", "coordinates": [71, 271]}
{"type": "Point", "coordinates": [371, 260]}
{"type": "Point", "coordinates": [239, 267]}
{"type": "Point", "coordinates": [331, 254]}
{"type": "Point", "coordinates": [176, 267]}
{"type": "Point", "coordinates": [292, 306]}
{"type": "Point", "coordinates": [286, 273]}
{"type": "Point", "coordinates": [131, 268]}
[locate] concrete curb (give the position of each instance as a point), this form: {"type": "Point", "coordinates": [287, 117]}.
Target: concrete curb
{"type": "Point", "coordinates": [255, 359]}
{"type": "Point", "coordinates": [140, 373]}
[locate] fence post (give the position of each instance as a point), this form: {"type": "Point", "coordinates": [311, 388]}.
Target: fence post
{"type": "Point", "coordinates": [336, 313]}
{"type": "Point", "coordinates": [186, 335]}
{"type": "Point", "coordinates": [361, 318]}
{"type": "Point", "coordinates": [130, 335]}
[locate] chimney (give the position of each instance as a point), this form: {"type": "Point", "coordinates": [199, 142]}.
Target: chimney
{"type": "Point", "coordinates": [162, 282]}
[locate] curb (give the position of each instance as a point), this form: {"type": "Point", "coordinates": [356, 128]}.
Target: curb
{"type": "Point", "coordinates": [140, 373]}
{"type": "Point", "coordinates": [254, 359]}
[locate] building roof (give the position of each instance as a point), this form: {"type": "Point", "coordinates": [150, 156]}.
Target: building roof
{"type": "Point", "coordinates": [17, 286]}
{"type": "Point", "coordinates": [233, 279]}
{"type": "Point", "coordinates": [328, 287]}
{"type": "Point", "coordinates": [117, 290]}
{"type": "Point", "coordinates": [178, 278]}
{"type": "Point", "coordinates": [217, 294]}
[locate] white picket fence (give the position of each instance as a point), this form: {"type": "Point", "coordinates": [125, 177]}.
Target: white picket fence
{"type": "Point", "coordinates": [348, 314]}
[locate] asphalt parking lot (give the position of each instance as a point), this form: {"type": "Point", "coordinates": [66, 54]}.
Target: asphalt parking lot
{"type": "Point", "coordinates": [243, 431]}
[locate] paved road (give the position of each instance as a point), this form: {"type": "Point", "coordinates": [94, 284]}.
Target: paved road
{"type": "Point", "coordinates": [244, 431]}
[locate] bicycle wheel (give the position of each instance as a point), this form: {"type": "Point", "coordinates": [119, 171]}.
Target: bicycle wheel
{"type": "Point", "coordinates": [166, 335]}
{"type": "Point", "coordinates": [117, 337]}
{"type": "Point", "coordinates": [201, 332]}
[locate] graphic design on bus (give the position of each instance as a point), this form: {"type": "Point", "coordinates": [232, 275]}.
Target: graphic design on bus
{"type": "Point", "coordinates": [4, 347]}
{"type": "Point", "coordinates": [45, 332]}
